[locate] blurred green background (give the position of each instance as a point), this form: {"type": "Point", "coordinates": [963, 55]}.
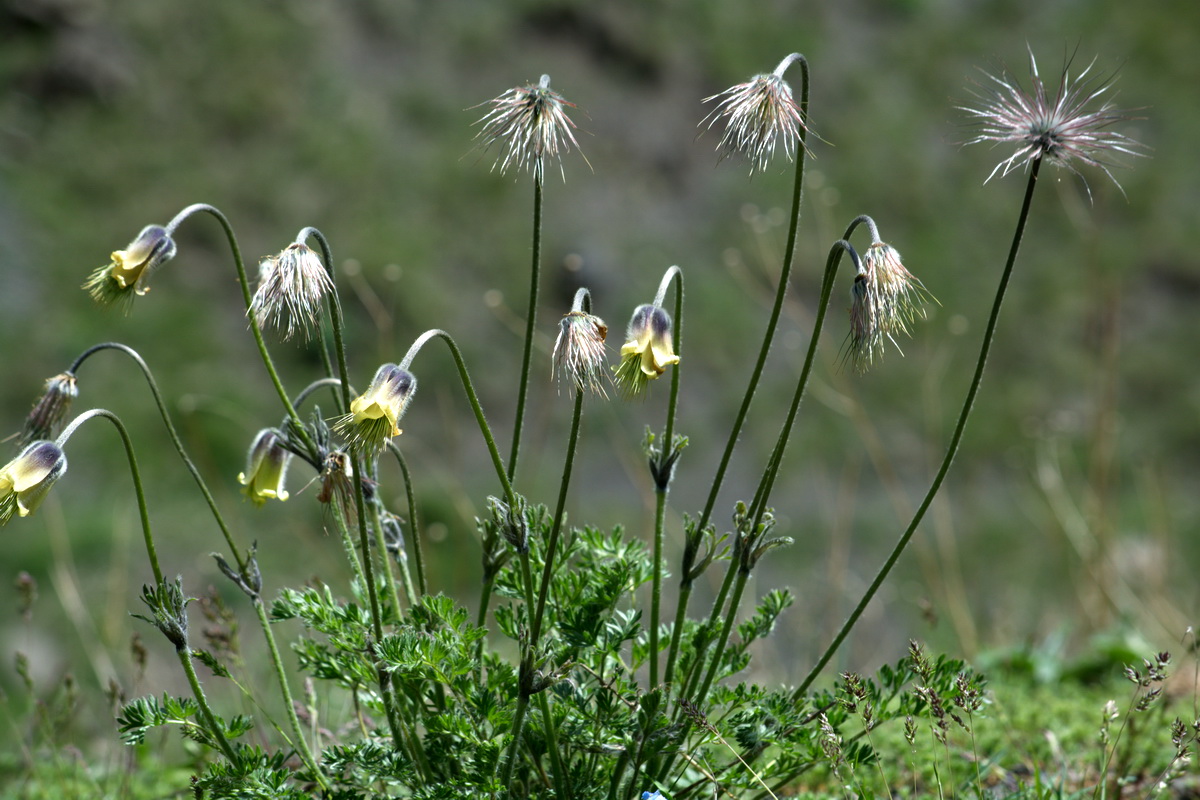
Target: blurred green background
{"type": "Point", "coordinates": [1072, 507]}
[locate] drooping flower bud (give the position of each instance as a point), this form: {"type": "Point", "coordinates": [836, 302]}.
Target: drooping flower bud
{"type": "Point", "coordinates": [130, 268]}
{"type": "Point", "coordinates": [26, 480]}
{"type": "Point", "coordinates": [648, 349]}
{"type": "Point", "coordinates": [266, 468]}
{"type": "Point", "coordinates": [375, 415]}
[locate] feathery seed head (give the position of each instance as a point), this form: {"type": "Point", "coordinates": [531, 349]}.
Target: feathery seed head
{"type": "Point", "coordinates": [759, 114]}
{"type": "Point", "coordinates": [530, 125]}
{"type": "Point", "coordinates": [1072, 125]}
{"type": "Point", "coordinates": [50, 409]}
{"type": "Point", "coordinates": [291, 288]}
{"type": "Point", "coordinates": [579, 352]}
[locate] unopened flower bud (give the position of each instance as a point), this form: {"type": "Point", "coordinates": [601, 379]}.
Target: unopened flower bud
{"type": "Point", "coordinates": [25, 481]}
{"type": "Point", "coordinates": [266, 468]}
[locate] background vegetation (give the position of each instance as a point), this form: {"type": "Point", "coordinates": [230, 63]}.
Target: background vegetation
{"type": "Point", "coordinates": [1071, 509]}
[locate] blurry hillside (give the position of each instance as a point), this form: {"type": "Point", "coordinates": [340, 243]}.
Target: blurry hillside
{"type": "Point", "coordinates": [1080, 464]}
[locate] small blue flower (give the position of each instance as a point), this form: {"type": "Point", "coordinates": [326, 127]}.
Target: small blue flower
{"type": "Point", "coordinates": [655, 795]}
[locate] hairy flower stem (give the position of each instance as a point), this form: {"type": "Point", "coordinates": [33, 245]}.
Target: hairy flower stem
{"type": "Point", "coordinates": [172, 433]}
{"type": "Point", "coordinates": [951, 449]}
{"type": "Point", "coordinates": [280, 673]}
{"type": "Point", "coordinates": [139, 491]}
{"type": "Point", "coordinates": [335, 316]}
{"type": "Point", "coordinates": [413, 529]}
{"type": "Point", "coordinates": [473, 398]}
{"type": "Point", "coordinates": [535, 269]}
{"type": "Point", "coordinates": [777, 308]}
{"type": "Point", "coordinates": [663, 485]}
{"type": "Point", "coordinates": [767, 481]}
{"type": "Point", "coordinates": [381, 547]}
{"type": "Point", "coordinates": [301, 741]}
{"type": "Point", "coordinates": [524, 677]}
{"type": "Point", "coordinates": [247, 296]}
{"type": "Point", "coordinates": [210, 719]}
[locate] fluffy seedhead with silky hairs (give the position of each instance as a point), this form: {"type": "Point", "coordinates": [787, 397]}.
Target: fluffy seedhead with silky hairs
{"type": "Point", "coordinates": [530, 125]}
{"type": "Point", "coordinates": [291, 288]}
{"type": "Point", "coordinates": [50, 409]}
{"type": "Point", "coordinates": [1071, 125]}
{"type": "Point", "coordinates": [579, 352]}
{"type": "Point", "coordinates": [886, 298]}
{"type": "Point", "coordinates": [759, 115]}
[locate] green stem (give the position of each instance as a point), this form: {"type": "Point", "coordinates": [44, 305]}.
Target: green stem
{"type": "Point", "coordinates": [289, 705]}
{"type": "Point", "coordinates": [143, 510]}
{"type": "Point", "coordinates": [414, 531]}
{"type": "Point", "coordinates": [210, 719]}
{"type": "Point", "coordinates": [561, 789]}
{"type": "Point", "coordinates": [663, 481]}
{"type": "Point", "coordinates": [172, 433]}
{"type": "Point", "coordinates": [776, 309]}
{"type": "Point", "coordinates": [465, 376]}
{"type": "Point", "coordinates": [381, 547]}
{"type": "Point", "coordinates": [951, 450]}
{"type": "Point", "coordinates": [335, 313]}
{"type": "Point", "coordinates": [247, 296]}
{"type": "Point", "coordinates": [530, 323]}
{"type": "Point", "coordinates": [524, 674]}
{"type": "Point", "coordinates": [556, 527]}
{"type": "Point", "coordinates": [762, 494]}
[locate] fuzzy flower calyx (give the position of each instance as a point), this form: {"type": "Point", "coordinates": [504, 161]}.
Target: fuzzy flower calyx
{"type": "Point", "coordinates": [1072, 125]}
{"type": "Point", "coordinates": [530, 125]}
{"type": "Point", "coordinates": [25, 481]}
{"type": "Point", "coordinates": [886, 298]}
{"type": "Point", "coordinates": [648, 349]}
{"type": "Point", "coordinates": [266, 468]}
{"type": "Point", "coordinates": [50, 409]}
{"type": "Point", "coordinates": [130, 268]}
{"type": "Point", "coordinates": [579, 353]}
{"type": "Point", "coordinates": [759, 114]}
{"type": "Point", "coordinates": [291, 288]}
{"type": "Point", "coordinates": [375, 415]}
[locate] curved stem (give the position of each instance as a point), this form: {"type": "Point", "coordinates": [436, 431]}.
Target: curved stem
{"type": "Point", "coordinates": [172, 433]}
{"type": "Point", "coordinates": [469, 388]}
{"type": "Point", "coordinates": [248, 297]}
{"type": "Point", "coordinates": [530, 323]}
{"type": "Point", "coordinates": [762, 494]}
{"type": "Point", "coordinates": [143, 511]}
{"type": "Point", "coordinates": [335, 312]}
{"type": "Point", "coordinates": [777, 308]}
{"type": "Point", "coordinates": [951, 449]}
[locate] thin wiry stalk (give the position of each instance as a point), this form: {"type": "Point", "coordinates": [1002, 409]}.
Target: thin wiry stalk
{"type": "Point", "coordinates": [951, 449]}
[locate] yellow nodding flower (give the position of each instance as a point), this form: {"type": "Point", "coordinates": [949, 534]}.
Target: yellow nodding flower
{"type": "Point", "coordinates": [648, 349]}
{"type": "Point", "coordinates": [375, 414]}
{"type": "Point", "coordinates": [266, 468]}
{"type": "Point", "coordinates": [25, 481]}
{"type": "Point", "coordinates": [130, 268]}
